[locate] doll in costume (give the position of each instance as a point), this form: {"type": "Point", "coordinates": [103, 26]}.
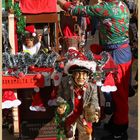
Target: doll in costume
{"type": "Point", "coordinates": [79, 93]}
{"type": "Point", "coordinates": [31, 42]}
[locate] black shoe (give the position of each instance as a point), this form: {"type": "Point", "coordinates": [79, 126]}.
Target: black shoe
{"type": "Point", "coordinates": [132, 91]}
{"type": "Point", "coordinates": [122, 136]}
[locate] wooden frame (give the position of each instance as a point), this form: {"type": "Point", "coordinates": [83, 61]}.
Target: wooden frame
{"type": "Point", "coordinates": [45, 18]}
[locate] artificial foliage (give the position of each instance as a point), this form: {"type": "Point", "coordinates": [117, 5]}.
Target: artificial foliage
{"type": "Point", "coordinates": [20, 24]}
{"type": "Point", "coordinates": [21, 62]}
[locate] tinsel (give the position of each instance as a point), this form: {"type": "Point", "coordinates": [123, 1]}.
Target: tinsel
{"type": "Point", "coordinates": [21, 62]}
{"type": "Point", "coordinates": [60, 123]}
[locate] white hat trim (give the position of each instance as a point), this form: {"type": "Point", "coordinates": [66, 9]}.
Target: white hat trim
{"type": "Point", "coordinates": [37, 108]}
{"type": "Point", "coordinates": [91, 65]}
{"type": "Point", "coordinates": [72, 48]}
{"type": "Point", "coordinates": [10, 104]}
{"type": "Point", "coordinates": [108, 88]}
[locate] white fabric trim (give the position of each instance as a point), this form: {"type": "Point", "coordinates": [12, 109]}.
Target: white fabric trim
{"type": "Point", "coordinates": [37, 108]}
{"type": "Point", "coordinates": [10, 104]}
{"type": "Point", "coordinates": [91, 65]}
{"type": "Point", "coordinates": [108, 88]}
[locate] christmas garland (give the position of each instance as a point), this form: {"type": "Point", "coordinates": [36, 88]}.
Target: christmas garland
{"type": "Point", "coordinates": [21, 24]}
{"type": "Point", "coordinates": [60, 123]}
{"type": "Point", "coordinates": [21, 62]}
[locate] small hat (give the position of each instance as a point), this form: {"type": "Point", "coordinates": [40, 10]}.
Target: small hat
{"type": "Point", "coordinates": [9, 99]}
{"type": "Point", "coordinates": [31, 29]}
{"type": "Point", "coordinates": [109, 84]}
{"type": "Point", "coordinates": [37, 104]}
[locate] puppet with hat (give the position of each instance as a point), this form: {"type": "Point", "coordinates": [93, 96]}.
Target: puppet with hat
{"type": "Point", "coordinates": [77, 91]}
{"type": "Point", "coordinates": [31, 43]}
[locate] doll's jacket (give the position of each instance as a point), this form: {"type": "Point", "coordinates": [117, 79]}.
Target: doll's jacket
{"type": "Point", "coordinates": [66, 92]}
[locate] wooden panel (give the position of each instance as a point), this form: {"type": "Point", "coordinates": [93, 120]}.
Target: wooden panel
{"type": "Point", "coordinates": [29, 81]}
{"type": "Point", "coordinates": [42, 18]}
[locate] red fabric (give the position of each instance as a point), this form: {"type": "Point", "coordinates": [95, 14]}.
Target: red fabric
{"type": "Point", "coordinates": [37, 101]}
{"type": "Point", "coordinates": [68, 32]}
{"type": "Point", "coordinates": [67, 5]}
{"type": "Point", "coordinates": [109, 81]}
{"type": "Point", "coordinates": [38, 6]}
{"type": "Point", "coordinates": [120, 97]}
{"type": "Point", "coordinates": [8, 95]}
{"type": "Point", "coordinates": [96, 48]}
{"type": "Point", "coordinates": [78, 108]}
{"type": "Point", "coordinates": [30, 28]}
{"type": "Point", "coordinates": [110, 64]}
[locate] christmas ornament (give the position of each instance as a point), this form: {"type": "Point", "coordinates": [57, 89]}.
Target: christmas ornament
{"type": "Point", "coordinates": [37, 104]}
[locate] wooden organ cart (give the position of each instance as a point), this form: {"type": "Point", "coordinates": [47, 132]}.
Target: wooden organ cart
{"type": "Point", "coordinates": [29, 124]}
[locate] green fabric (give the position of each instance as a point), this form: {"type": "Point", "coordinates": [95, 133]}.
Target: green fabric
{"type": "Point", "coordinates": [113, 19]}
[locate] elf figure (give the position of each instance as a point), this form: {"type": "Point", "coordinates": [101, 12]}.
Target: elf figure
{"type": "Point", "coordinates": [78, 92]}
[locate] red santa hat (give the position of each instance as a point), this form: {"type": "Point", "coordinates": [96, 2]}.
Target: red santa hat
{"type": "Point", "coordinates": [9, 99]}
{"type": "Point", "coordinates": [80, 61]}
{"type": "Point", "coordinates": [109, 64]}
{"type": "Point", "coordinates": [37, 104]}
{"type": "Point", "coordinates": [31, 29]}
{"type": "Point", "coordinates": [109, 84]}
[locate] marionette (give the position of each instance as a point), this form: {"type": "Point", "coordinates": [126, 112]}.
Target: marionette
{"type": "Point", "coordinates": [81, 95]}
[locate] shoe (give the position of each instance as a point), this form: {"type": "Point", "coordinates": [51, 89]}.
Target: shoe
{"type": "Point", "coordinates": [132, 91]}
{"type": "Point", "coordinates": [122, 136]}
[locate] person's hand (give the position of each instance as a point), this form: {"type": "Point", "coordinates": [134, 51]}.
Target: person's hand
{"type": "Point", "coordinates": [88, 129]}
{"type": "Point", "coordinates": [61, 2]}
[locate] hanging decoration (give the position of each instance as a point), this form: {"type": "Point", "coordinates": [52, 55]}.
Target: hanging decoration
{"type": "Point", "coordinates": [23, 62]}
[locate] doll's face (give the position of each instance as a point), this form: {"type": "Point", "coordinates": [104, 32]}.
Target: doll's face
{"type": "Point", "coordinates": [29, 42]}
{"type": "Point", "coordinates": [61, 109]}
{"type": "Point", "coordinates": [80, 78]}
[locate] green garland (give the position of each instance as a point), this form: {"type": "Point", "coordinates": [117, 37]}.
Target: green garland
{"type": "Point", "coordinates": [60, 123]}
{"type": "Point", "coordinates": [21, 24]}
